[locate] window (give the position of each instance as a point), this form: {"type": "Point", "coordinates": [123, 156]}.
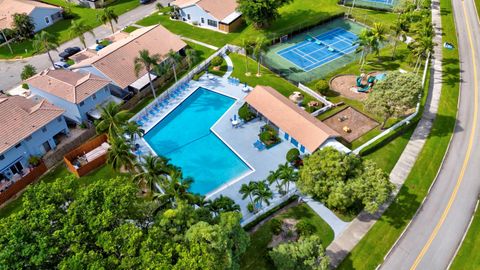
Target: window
{"type": "Point", "coordinates": [47, 20]}
{"type": "Point", "coordinates": [28, 138]}
{"type": "Point", "coordinates": [188, 16]}
{"type": "Point", "coordinates": [294, 142]}
{"type": "Point", "coordinates": [203, 20]}
{"type": "Point", "coordinates": [302, 149]}
{"type": "Point", "coordinates": [212, 23]}
{"type": "Point", "coordinates": [2, 157]}
{"type": "Point", "coordinates": [286, 136]}
{"type": "Point", "coordinates": [94, 96]}
{"type": "Point", "coordinates": [18, 145]}
{"type": "Point", "coordinates": [82, 103]}
{"type": "Point", "coordinates": [44, 129]}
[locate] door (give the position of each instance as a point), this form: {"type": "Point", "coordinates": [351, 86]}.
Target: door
{"type": "Point", "coordinates": [46, 146]}
{"type": "Point", "coordinates": [16, 168]}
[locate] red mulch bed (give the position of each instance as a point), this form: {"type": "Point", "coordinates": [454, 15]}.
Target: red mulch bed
{"type": "Point", "coordinates": [357, 122]}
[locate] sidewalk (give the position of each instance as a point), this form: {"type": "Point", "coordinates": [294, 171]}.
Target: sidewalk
{"type": "Point", "coordinates": [358, 228]}
{"type": "Point", "coordinates": [11, 70]}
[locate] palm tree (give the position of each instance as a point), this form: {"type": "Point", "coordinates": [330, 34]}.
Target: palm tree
{"type": "Point", "coordinates": [175, 188]}
{"type": "Point", "coordinates": [363, 43]}
{"type": "Point", "coordinates": [398, 33]}
{"type": "Point", "coordinates": [246, 48]}
{"type": "Point", "coordinates": [191, 57]}
{"type": "Point", "coordinates": [132, 129]}
{"type": "Point", "coordinates": [287, 174]}
{"type": "Point", "coordinates": [153, 167]}
{"type": "Point", "coordinates": [262, 193]}
{"type": "Point", "coordinates": [120, 155]}
{"type": "Point", "coordinates": [45, 41]}
{"type": "Point", "coordinates": [223, 204]}
{"type": "Point", "coordinates": [171, 60]}
{"type": "Point", "coordinates": [260, 47]}
{"type": "Point", "coordinates": [247, 190]}
{"type": "Point", "coordinates": [113, 120]}
{"type": "Point", "coordinates": [379, 31]}
{"type": "Point", "coordinates": [146, 61]}
{"type": "Point", "coordinates": [421, 48]}
{"type": "Point", "coordinates": [274, 177]}
{"type": "Point", "coordinates": [109, 16]}
{"type": "Point", "coordinates": [78, 27]}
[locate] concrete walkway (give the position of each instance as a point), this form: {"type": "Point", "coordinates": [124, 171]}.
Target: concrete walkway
{"type": "Point", "coordinates": [11, 69]}
{"type": "Point", "coordinates": [200, 43]}
{"type": "Point", "coordinates": [229, 66]}
{"type": "Point", "coordinates": [337, 225]}
{"type": "Point", "coordinates": [357, 229]}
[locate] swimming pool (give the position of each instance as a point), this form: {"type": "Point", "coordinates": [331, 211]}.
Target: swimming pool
{"type": "Point", "coordinates": [185, 137]}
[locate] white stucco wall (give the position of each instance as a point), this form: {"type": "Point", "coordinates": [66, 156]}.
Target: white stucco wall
{"type": "Point", "coordinates": [196, 14]}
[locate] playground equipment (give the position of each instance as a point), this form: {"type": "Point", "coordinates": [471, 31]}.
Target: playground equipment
{"type": "Point", "coordinates": [363, 88]}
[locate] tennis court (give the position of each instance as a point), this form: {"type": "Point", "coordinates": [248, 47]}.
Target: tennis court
{"type": "Point", "coordinates": [386, 2]}
{"type": "Point", "coordinates": [316, 51]}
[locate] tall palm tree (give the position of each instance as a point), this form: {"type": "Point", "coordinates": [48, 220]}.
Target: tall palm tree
{"type": "Point", "coordinates": [274, 177]}
{"type": "Point", "coordinates": [380, 32]}
{"type": "Point", "coordinates": [146, 61]}
{"type": "Point", "coordinates": [109, 16]}
{"type": "Point", "coordinates": [262, 193]}
{"type": "Point", "coordinates": [246, 47]}
{"type": "Point", "coordinates": [45, 41]}
{"type": "Point", "coordinates": [171, 60]}
{"type": "Point", "coordinates": [287, 174]}
{"type": "Point", "coordinates": [398, 33]}
{"type": "Point", "coordinates": [153, 168]}
{"type": "Point", "coordinates": [247, 190]}
{"type": "Point", "coordinates": [120, 155]}
{"type": "Point", "coordinates": [259, 48]}
{"type": "Point", "coordinates": [421, 48]}
{"type": "Point", "coordinates": [113, 120]}
{"type": "Point", "coordinates": [363, 43]}
{"type": "Point", "coordinates": [133, 130]}
{"type": "Point", "coordinates": [191, 57]}
{"type": "Point", "coordinates": [78, 27]}
{"type": "Point", "coordinates": [223, 204]}
{"type": "Point", "coordinates": [175, 188]}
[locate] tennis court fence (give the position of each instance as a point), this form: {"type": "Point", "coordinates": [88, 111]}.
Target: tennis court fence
{"type": "Point", "coordinates": [387, 5]}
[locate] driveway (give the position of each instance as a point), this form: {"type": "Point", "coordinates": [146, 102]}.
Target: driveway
{"type": "Point", "coordinates": [11, 69]}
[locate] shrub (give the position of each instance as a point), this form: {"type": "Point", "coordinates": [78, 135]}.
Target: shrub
{"type": "Point", "coordinates": [276, 226]}
{"type": "Point", "coordinates": [197, 76]}
{"type": "Point", "coordinates": [34, 160]}
{"type": "Point", "coordinates": [27, 72]}
{"type": "Point", "coordinates": [216, 61]}
{"type": "Point", "coordinates": [245, 114]}
{"type": "Point", "coordinates": [250, 207]}
{"type": "Point", "coordinates": [25, 86]}
{"type": "Point", "coordinates": [305, 228]}
{"type": "Point", "coordinates": [322, 87]}
{"type": "Point", "coordinates": [292, 155]}
{"type": "Point", "coordinates": [266, 136]}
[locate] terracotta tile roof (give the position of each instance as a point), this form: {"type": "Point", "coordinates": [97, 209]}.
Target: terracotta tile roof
{"type": "Point", "coordinates": [116, 60]}
{"type": "Point", "coordinates": [299, 124]}
{"type": "Point", "coordinates": [10, 7]}
{"type": "Point", "coordinates": [68, 85]}
{"type": "Point", "coordinates": [219, 9]}
{"type": "Point", "coordinates": [24, 117]}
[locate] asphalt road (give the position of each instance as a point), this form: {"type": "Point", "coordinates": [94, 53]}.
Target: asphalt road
{"type": "Point", "coordinates": [10, 69]}
{"type": "Point", "coordinates": [430, 241]}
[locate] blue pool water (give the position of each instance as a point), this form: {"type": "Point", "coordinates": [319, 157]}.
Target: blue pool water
{"type": "Point", "coordinates": [185, 137]}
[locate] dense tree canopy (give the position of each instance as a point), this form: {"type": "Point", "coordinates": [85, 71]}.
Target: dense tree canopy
{"type": "Point", "coordinates": [305, 254]}
{"type": "Point", "coordinates": [106, 226]}
{"type": "Point", "coordinates": [261, 12]}
{"type": "Point", "coordinates": [23, 25]}
{"type": "Point", "coordinates": [340, 180]}
{"type": "Point", "coordinates": [395, 95]}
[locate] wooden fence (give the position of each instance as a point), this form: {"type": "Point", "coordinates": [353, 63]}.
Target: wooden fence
{"type": "Point", "coordinates": [81, 150]}
{"type": "Point", "coordinates": [19, 185]}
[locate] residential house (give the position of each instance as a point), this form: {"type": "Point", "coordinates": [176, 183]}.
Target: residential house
{"type": "Point", "coordinates": [220, 15]}
{"type": "Point", "coordinates": [115, 62]}
{"type": "Point", "coordinates": [28, 128]}
{"type": "Point", "coordinates": [294, 124]}
{"type": "Point", "coordinates": [42, 14]}
{"type": "Point", "coordinates": [78, 93]}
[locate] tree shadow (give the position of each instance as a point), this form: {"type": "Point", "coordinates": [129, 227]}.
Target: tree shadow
{"type": "Point", "coordinates": [451, 69]}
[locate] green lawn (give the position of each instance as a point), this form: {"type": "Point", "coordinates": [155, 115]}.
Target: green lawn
{"type": "Point", "coordinates": [468, 257]}
{"type": "Point", "coordinates": [61, 28]}
{"type": "Point", "coordinates": [372, 248]}
{"type": "Point", "coordinates": [256, 256]}
{"type": "Point", "coordinates": [61, 172]}
{"type": "Point", "coordinates": [369, 17]}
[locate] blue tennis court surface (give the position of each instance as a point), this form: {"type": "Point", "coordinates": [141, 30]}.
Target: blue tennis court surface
{"type": "Point", "coordinates": [321, 49]}
{"type": "Point", "coordinates": [386, 2]}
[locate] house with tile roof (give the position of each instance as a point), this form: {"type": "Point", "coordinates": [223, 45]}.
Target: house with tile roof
{"type": "Point", "coordinates": [28, 128]}
{"type": "Point", "coordinates": [42, 14]}
{"type": "Point", "coordinates": [115, 62]}
{"type": "Point", "coordinates": [219, 15]}
{"type": "Point", "coordinates": [294, 124]}
{"type": "Point", "coordinates": [80, 94]}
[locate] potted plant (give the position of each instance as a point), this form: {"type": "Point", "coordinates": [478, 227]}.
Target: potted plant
{"type": "Point", "coordinates": [34, 161]}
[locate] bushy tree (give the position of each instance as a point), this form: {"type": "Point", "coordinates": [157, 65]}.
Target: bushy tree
{"type": "Point", "coordinates": [322, 87]}
{"type": "Point", "coordinates": [394, 96]}
{"type": "Point", "coordinates": [28, 71]}
{"type": "Point", "coordinates": [306, 254]}
{"type": "Point", "coordinates": [261, 12]}
{"type": "Point", "coordinates": [339, 180]}
{"type": "Point", "coordinates": [23, 26]}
